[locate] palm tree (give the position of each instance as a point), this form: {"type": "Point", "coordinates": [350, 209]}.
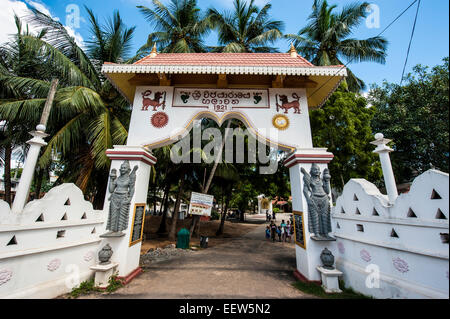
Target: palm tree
{"type": "Point", "coordinates": [246, 29]}
{"type": "Point", "coordinates": [179, 27]}
{"type": "Point", "coordinates": [16, 60]}
{"type": "Point", "coordinates": [89, 115]}
{"type": "Point", "coordinates": [325, 39]}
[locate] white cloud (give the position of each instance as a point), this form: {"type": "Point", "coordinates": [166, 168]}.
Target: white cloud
{"type": "Point", "coordinates": [8, 27]}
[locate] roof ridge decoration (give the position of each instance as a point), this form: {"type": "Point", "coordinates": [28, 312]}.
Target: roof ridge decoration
{"type": "Point", "coordinates": [154, 51]}
{"type": "Point", "coordinates": [293, 51]}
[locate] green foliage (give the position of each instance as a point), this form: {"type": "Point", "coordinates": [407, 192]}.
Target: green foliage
{"type": "Point", "coordinates": [214, 214]}
{"type": "Point", "coordinates": [276, 210]}
{"type": "Point", "coordinates": [88, 115]}
{"type": "Point", "coordinates": [85, 288]}
{"type": "Point", "coordinates": [325, 40]}
{"type": "Point", "coordinates": [88, 287]}
{"type": "Point", "coordinates": [246, 29]}
{"type": "Point", "coordinates": [342, 125]}
{"type": "Point", "coordinates": [179, 27]}
{"type": "Point", "coordinates": [416, 117]}
{"type": "Point", "coordinates": [316, 290]}
{"type": "Point", "coordinates": [113, 284]}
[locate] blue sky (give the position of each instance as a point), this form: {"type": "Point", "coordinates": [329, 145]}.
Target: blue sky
{"type": "Point", "coordinates": [430, 43]}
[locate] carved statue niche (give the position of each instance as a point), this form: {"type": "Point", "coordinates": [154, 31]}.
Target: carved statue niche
{"type": "Point", "coordinates": [122, 190]}
{"type": "Point", "coordinates": [316, 192]}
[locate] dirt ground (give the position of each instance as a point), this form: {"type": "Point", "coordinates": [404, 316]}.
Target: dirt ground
{"type": "Point", "coordinates": [207, 228]}
{"type": "Point", "coordinates": [248, 266]}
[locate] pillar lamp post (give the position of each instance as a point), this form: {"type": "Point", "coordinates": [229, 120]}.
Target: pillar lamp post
{"type": "Point", "coordinates": [33, 153]}
{"type": "Point", "coordinates": [389, 180]}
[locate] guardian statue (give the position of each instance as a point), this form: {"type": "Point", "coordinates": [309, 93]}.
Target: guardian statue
{"type": "Point", "coordinates": [122, 190]}
{"type": "Point", "coordinates": [316, 192]}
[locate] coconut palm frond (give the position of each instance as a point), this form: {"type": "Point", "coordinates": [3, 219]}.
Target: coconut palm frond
{"type": "Point", "coordinates": [371, 49]}
{"type": "Point", "coordinates": [101, 138]}
{"type": "Point", "coordinates": [325, 38]}
{"type": "Point", "coordinates": [67, 70]}
{"type": "Point", "coordinates": [64, 140]}
{"type": "Point", "coordinates": [58, 37]}
{"type": "Point", "coordinates": [77, 99]}
{"type": "Point", "coordinates": [22, 110]}
{"type": "Point", "coordinates": [25, 86]}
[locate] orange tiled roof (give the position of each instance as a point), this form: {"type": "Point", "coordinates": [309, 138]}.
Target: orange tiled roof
{"type": "Point", "coordinates": [226, 59]}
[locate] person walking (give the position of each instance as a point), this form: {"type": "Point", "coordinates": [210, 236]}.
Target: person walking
{"type": "Point", "coordinates": [283, 230]}
{"type": "Point", "coordinates": [268, 233]}
{"type": "Point", "coordinates": [273, 230]}
{"type": "Point", "coordinates": [288, 230]}
{"type": "Point", "coordinates": [279, 232]}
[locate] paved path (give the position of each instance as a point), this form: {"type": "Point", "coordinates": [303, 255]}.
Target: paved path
{"type": "Point", "coordinates": [245, 267]}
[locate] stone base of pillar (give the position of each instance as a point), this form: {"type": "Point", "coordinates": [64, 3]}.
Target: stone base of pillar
{"type": "Point", "coordinates": [330, 279]}
{"type": "Point", "coordinates": [103, 273]}
{"type": "Point", "coordinates": [126, 279]}
{"type": "Point", "coordinates": [302, 278]}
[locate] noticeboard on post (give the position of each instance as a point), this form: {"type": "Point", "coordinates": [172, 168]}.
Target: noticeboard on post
{"type": "Point", "coordinates": [201, 204]}
{"type": "Point", "coordinates": [299, 229]}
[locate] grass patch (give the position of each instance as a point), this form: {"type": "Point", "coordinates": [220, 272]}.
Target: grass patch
{"type": "Point", "coordinates": [85, 288]}
{"type": "Point", "coordinates": [88, 287]}
{"type": "Point", "coordinates": [113, 284]}
{"type": "Point", "coordinates": [316, 290]}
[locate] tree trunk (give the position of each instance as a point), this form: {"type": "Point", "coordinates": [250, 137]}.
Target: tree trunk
{"type": "Point", "coordinates": [37, 188]}
{"type": "Point", "coordinates": [196, 218]}
{"type": "Point", "coordinates": [100, 194]}
{"type": "Point", "coordinates": [8, 151]}
{"type": "Point", "coordinates": [162, 226]}
{"type": "Point", "coordinates": [224, 215]}
{"type": "Point", "coordinates": [154, 200]}
{"type": "Point", "coordinates": [173, 227]}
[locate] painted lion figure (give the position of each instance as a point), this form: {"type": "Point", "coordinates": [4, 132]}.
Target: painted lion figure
{"type": "Point", "coordinates": [286, 105]}
{"type": "Point", "coordinates": [155, 102]}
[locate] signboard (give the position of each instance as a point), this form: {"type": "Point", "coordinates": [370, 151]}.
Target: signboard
{"type": "Point", "coordinates": [221, 100]}
{"type": "Point", "coordinates": [299, 229]}
{"type": "Point", "coordinates": [137, 228]}
{"type": "Point", "coordinates": [201, 204]}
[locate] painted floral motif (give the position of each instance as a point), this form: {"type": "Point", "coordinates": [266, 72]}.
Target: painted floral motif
{"type": "Point", "coordinates": [365, 255]}
{"type": "Point", "coordinates": [341, 248]}
{"type": "Point", "coordinates": [400, 264]}
{"type": "Point", "coordinates": [5, 276]}
{"type": "Point", "coordinates": [89, 255]}
{"type": "Point", "coordinates": [54, 264]}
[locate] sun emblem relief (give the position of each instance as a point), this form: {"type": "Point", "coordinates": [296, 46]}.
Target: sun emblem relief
{"type": "Point", "coordinates": [280, 121]}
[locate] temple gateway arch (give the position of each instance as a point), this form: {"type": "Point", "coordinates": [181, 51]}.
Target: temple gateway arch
{"type": "Point", "coordinates": [269, 92]}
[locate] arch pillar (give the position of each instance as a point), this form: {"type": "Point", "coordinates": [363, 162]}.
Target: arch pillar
{"type": "Point", "coordinates": [308, 254]}
{"type": "Point", "coordinates": [125, 252]}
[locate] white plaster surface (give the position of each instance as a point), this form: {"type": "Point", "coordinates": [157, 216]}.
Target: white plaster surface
{"type": "Point", "coordinates": [260, 119]}
{"type": "Point", "coordinates": [40, 265]}
{"type": "Point", "coordinates": [412, 265]}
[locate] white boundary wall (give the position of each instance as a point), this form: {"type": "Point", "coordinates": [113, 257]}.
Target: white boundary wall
{"type": "Point", "coordinates": [413, 265]}
{"type": "Point", "coordinates": [49, 257]}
